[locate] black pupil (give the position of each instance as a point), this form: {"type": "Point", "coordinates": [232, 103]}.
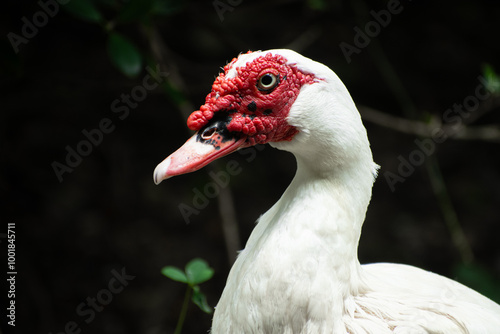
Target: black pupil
{"type": "Point", "coordinates": [267, 80]}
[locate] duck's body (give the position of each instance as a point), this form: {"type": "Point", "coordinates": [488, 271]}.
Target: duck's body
{"type": "Point", "coordinates": [299, 271]}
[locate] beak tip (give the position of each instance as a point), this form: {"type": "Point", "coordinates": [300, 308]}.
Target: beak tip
{"type": "Point", "coordinates": [160, 172]}
{"type": "Point", "coordinates": [155, 178]}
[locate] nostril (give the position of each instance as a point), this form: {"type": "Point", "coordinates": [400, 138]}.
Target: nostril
{"type": "Point", "coordinates": [208, 133]}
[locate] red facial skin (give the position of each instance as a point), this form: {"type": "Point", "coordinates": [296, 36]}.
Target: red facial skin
{"type": "Point", "coordinates": [239, 112]}
{"type": "Point", "coordinates": [258, 115]}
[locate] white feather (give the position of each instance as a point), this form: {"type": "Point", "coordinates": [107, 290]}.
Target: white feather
{"type": "Point", "coordinates": [299, 271]}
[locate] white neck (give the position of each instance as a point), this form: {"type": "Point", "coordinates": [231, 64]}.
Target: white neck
{"type": "Point", "coordinates": [302, 255]}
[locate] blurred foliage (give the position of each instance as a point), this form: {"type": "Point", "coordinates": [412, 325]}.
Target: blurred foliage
{"type": "Point", "coordinates": [84, 10]}
{"type": "Point", "coordinates": [124, 54]}
{"type": "Point", "coordinates": [478, 278]}
{"type": "Point", "coordinates": [492, 79]}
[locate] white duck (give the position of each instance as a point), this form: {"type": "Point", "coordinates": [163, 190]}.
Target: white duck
{"type": "Point", "coordinates": [299, 271]}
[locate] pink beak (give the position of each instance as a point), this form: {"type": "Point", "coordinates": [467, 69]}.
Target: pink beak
{"type": "Point", "coordinates": [196, 153]}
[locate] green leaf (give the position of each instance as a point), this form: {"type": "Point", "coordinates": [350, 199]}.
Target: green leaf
{"type": "Point", "coordinates": [492, 79]}
{"type": "Point", "coordinates": [201, 300]}
{"type": "Point", "coordinates": [85, 10]}
{"type": "Point", "coordinates": [198, 271]}
{"type": "Point", "coordinates": [175, 274]}
{"type": "Point", "coordinates": [124, 54]}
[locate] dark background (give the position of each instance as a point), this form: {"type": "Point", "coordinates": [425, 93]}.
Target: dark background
{"type": "Point", "coordinates": [107, 214]}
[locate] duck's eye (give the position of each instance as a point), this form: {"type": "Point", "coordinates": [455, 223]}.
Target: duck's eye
{"type": "Point", "coordinates": [267, 82]}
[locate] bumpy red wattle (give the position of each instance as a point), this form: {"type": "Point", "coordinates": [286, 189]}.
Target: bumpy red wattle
{"type": "Point", "coordinates": [259, 115]}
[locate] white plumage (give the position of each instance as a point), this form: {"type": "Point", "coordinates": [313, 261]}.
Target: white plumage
{"type": "Point", "coordinates": [299, 271]}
